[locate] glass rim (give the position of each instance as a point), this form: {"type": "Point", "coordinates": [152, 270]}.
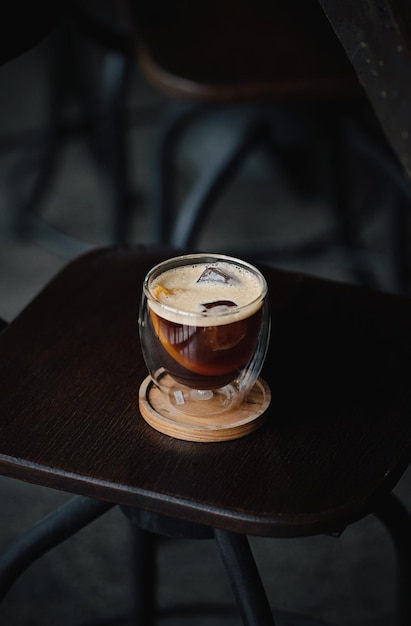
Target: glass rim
{"type": "Point", "coordinates": [195, 258]}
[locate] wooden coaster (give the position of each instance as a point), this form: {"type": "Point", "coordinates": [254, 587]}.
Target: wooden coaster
{"type": "Point", "coordinates": [162, 415]}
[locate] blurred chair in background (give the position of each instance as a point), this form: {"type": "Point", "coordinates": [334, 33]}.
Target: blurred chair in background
{"type": "Point", "coordinates": [285, 63]}
{"type": "Point", "coordinates": [281, 66]}
{"type": "Point", "coordinates": [88, 61]}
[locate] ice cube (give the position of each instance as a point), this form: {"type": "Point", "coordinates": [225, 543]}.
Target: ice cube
{"type": "Point", "coordinates": [219, 306]}
{"type": "Point", "coordinates": [215, 275]}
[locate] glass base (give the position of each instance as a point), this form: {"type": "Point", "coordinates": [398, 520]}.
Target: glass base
{"type": "Point", "coordinates": [202, 402]}
{"type": "Point", "coordinates": [232, 422]}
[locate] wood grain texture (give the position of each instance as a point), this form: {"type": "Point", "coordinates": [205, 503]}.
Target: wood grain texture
{"type": "Point", "coordinates": [337, 435]}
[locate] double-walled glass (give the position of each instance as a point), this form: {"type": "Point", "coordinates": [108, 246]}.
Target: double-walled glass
{"type": "Point", "coordinates": [204, 329]}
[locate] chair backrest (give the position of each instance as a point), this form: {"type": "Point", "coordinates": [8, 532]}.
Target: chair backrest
{"type": "Point", "coordinates": [378, 42]}
{"type": "Point", "coordinates": [229, 50]}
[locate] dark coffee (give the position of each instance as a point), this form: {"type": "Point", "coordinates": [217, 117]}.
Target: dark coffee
{"type": "Point", "coordinates": [204, 320]}
{"type": "Point", "coordinates": [205, 357]}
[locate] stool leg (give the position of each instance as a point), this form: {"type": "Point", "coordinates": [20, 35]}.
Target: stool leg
{"type": "Point", "coordinates": [165, 168]}
{"type": "Point", "coordinates": [24, 220]}
{"type": "Point", "coordinates": [245, 579]}
{"type": "Point", "coordinates": [397, 520]}
{"type": "Point", "coordinates": [116, 72]}
{"type": "Point", "coordinates": [46, 534]}
{"type": "Point", "coordinates": [209, 188]}
{"type": "Point", "coordinates": [145, 573]}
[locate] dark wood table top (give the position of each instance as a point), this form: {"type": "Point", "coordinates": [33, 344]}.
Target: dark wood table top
{"type": "Point", "coordinates": [339, 429]}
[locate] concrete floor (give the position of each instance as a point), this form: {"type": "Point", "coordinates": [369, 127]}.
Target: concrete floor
{"type": "Point", "coordinates": [348, 581]}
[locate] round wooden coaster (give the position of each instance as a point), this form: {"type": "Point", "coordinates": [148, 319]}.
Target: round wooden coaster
{"type": "Point", "coordinates": [158, 411]}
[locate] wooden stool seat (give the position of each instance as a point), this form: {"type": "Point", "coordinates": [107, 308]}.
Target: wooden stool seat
{"type": "Point", "coordinates": [336, 440]}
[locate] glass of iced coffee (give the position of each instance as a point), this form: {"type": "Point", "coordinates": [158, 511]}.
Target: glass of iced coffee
{"type": "Point", "coordinates": [204, 330]}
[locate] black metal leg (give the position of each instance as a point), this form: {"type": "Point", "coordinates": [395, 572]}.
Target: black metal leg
{"type": "Point", "coordinates": [164, 191]}
{"type": "Point", "coordinates": [46, 534]}
{"type": "Point", "coordinates": [147, 528]}
{"type": "Point", "coordinates": [145, 574]}
{"type": "Point", "coordinates": [245, 579]}
{"type": "Point", "coordinates": [207, 191]}
{"type": "Point", "coordinates": [115, 83]}
{"type": "Point", "coordinates": [397, 519]}
{"type": "Point", "coordinates": [24, 219]}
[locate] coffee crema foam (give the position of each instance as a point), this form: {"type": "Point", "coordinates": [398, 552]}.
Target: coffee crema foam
{"type": "Point", "coordinates": [184, 296]}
